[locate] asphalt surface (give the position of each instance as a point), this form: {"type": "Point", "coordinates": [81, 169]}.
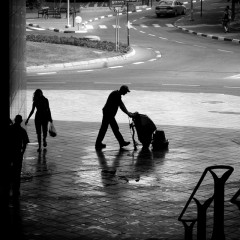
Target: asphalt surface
{"type": "Point", "coordinates": [208, 25]}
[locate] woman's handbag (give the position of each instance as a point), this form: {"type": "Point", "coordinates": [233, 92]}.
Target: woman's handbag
{"type": "Point", "coordinates": [52, 130]}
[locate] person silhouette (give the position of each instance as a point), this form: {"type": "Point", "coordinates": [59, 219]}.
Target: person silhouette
{"type": "Point", "coordinates": [226, 19]}
{"type": "Point", "coordinates": [109, 112]}
{"type": "Point", "coordinates": [19, 140]}
{"type": "Point", "coordinates": [42, 117]}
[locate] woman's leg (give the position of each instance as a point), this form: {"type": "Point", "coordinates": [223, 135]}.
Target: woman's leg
{"type": "Point", "coordinates": [45, 129]}
{"type": "Point", "coordinates": [38, 131]}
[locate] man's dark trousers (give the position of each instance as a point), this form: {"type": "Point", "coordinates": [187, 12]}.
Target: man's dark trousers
{"type": "Point", "coordinates": [109, 120]}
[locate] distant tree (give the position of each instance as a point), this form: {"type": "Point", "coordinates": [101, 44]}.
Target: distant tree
{"type": "Point", "coordinates": [34, 3]}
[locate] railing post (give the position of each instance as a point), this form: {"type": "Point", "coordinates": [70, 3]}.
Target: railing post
{"type": "Point", "coordinates": [218, 197]}
{"type": "Point", "coordinates": [202, 218]}
{"type": "Point", "coordinates": [188, 229]}
{"type": "Point", "coordinates": [218, 221]}
{"type": "Point", "coordinates": [234, 199]}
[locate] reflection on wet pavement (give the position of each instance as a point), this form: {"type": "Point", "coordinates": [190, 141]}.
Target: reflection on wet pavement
{"type": "Point", "coordinates": [166, 108]}
{"type": "Point", "coordinates": [76, 192]}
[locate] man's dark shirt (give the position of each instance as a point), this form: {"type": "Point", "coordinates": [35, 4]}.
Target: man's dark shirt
{"type": "Point", "coordinates": [113, 102]}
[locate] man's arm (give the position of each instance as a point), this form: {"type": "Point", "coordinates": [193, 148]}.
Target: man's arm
{"type": "Point", "coordinates": [31, 113]}
{"type": "Point", "coordinates": [124, 109]}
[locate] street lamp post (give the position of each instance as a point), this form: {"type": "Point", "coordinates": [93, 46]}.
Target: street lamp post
{"type": "Point", "coordinates": [68, 25]}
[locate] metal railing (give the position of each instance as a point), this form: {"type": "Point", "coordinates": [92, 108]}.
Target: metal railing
{"type": "Point", "coordinates": [218, 213]}
{"type": "Point", "coordinates": [234, 199]}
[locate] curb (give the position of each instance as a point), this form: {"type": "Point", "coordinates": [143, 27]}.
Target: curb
{"type": "Point", "coordinates": [208, 35]}
{"type": "Point", "coordinates": [82, 63]}
{"type": "Point", "coordinates": [56, 29]}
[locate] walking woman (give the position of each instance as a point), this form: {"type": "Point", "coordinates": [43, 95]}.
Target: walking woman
{"type": "Point", "coordinates": [42, 117]}
{"type": "Point", "coordinates": [226, 19]}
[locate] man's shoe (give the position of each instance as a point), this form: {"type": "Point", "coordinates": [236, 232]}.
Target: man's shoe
{"type": "Point", "coordinates": [100, 145]}
{"type": "Point", "coordinates": [124, 144]}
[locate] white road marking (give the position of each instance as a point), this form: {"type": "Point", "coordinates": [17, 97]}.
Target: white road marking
{"type": "Point", "coordinates": [89, 70]}
{"type": "Point", "coordinates": [102, 26]}
{"type": "Point", "coordinates": [179, 42]}
{"type": "Point", "coordinates": [151, 60]}
{"type": "Point", "coordinates": [159, 55]}
{"type": "Point", "coordinates": [163, 38]}
{"type": "Point", "coordinates": [141, 31]}
{"type": "Point", "coordinates": [169, 25]}
{"type": "Point", "coordinates": [156, 25]}
{"type": "Point", "coordinates": [222, 50]}
{"type": "Point", "coordinates": [46, 73]}
{"type": "Point", "coordinates": [116, 83]}
{"type": "Point", "coordinates": [234, 77]}
{"type": "Point", "coordinates": [143, 26]}
{"type": "Point", "coordinates": [176, 84]}
{"type": "Point", "coordinates": [116, 67]}
{"type": "Point", "coordinates": [199, 46]}
{"type": "Point", "coordinates": [138, 63]}
{"type": "Point", "coordinates": [36, 28]}
{"type": "Point", "coordinates": [47, 82]}
{"type": "Point", "coordinates": [152, 35]}
{"type": "Point", "coordinates": [114, 26]}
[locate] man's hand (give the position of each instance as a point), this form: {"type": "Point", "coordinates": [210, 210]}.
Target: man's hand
{"type": "Point", "coordinates": [131, 115]}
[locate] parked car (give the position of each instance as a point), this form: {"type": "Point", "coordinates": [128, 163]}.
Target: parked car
{"type": "Point", "coordinates": [170, 7]}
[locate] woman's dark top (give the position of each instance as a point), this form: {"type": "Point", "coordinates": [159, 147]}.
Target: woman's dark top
{"type": "Point", "coordinates": [43, 110]}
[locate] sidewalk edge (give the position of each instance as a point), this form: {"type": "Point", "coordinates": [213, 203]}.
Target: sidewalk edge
{"type": "Point", "coordinates": [206, 35]}
{"type": "Point", "coordinates": [81, 63]}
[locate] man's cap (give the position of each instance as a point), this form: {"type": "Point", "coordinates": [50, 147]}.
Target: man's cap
{"type": "Point", "coordinates": [18, 119]}
{"type": "Point", "coordinates": [124, 88]}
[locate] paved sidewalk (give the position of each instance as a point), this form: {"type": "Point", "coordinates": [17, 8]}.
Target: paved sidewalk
{"type": "Point", "coordinates": [69, 190]}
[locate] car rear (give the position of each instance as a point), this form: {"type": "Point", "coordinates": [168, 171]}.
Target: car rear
{"type": "Point", "coordinates": [165, 8]}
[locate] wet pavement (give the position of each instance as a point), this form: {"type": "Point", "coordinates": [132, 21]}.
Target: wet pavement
{"type": "Point", "coordinates": [72, 191]}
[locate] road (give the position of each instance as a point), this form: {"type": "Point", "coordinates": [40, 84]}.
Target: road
{"type": "Point", "coordinates": [170, 68]}
{"type": "Point", "coordinates": [173, 60]}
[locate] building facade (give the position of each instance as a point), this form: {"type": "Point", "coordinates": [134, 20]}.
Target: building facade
{"type": "Point", "coordinates": [17, 58]}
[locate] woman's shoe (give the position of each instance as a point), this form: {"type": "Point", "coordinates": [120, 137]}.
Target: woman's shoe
{"type": "Point", "coordinates": [44, 143]}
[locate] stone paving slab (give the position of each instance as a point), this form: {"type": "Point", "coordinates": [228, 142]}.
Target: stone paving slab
{"type": "Point", "coordinates": [72, 196]}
